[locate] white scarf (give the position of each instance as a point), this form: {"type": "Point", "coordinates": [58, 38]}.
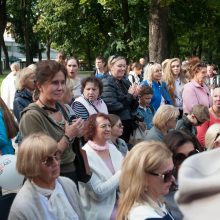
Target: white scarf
{"type": "Point", "coordinates": [58, 204]}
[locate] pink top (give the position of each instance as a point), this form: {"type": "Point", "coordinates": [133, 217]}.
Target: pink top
{"type": "Point", "coordinates": [194, 94]}
{"type": "Point", "coordinates": [201, 130]}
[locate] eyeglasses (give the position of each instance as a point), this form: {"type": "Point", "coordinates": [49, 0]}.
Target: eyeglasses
{"type": "Point", "coordinates": [120, 125]}
{"type": "Point", "coordinates": [180, 157]}
{"type": "Point", "coordinates": [198, 121]}
{"type": "Point", "coordinates": [167, 177]}
{"type": "Point", "coordinates": [104, 126]}
{"type": "Point", "coordinates": [50, 159]}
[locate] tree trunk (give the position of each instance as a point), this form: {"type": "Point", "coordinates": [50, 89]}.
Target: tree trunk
{"type": "Point", "coordinates": [39, 52]}
{"type": "Point", "coordinates": [6, 54]}
{"type": "Point", "coordinates": [158, 42]}
{"type": "Point", "coordinates": [48, 50]}
{"type": "Point", "coordinates": [126, 19]}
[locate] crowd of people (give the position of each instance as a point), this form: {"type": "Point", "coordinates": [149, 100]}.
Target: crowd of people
{"type": "Point", "coordinates": [111, 145]}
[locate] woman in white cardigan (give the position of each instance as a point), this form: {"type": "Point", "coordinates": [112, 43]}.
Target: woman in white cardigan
{"type": "Point", "coordinates": [99, 195]}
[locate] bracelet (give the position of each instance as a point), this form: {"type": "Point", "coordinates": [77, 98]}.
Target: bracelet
{"type": "Point", "coordinates": [67, 137]}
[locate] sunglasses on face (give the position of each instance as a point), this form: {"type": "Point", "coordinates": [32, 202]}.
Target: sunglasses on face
{"type": "Point", "coordinates": [198, 121]}
{"type": "Point", "coordinates": [167, 177]}
{"type": "Point", "coordinates": [216, 137]}
{"type": "Point", "coordinates": [50, 159]}
{"type": "Point", "coordinates": [180, 157]}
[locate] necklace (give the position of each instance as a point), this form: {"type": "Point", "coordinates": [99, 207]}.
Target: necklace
{"type": "Point", "coordinates": [215, 112]}
{"type": "Point", "coordinates": [51, 109]}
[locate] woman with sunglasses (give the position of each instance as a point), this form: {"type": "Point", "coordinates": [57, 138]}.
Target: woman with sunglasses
{"type": "Point", "coordinates": [101, 192]}
{"type": "Point", "coordinates": [212, 137]}
{"type": "Point", "coordinates": [196, 92]}
{"type": "Point", "coordinates": [120, 96]}
{"type": "Point", "coordinates": [116, 132]}
{"type": "Point", "coordinates": [214, 113]}
{"type": "Point", "coordinates": [182, 147]}
{"type": "Point", "coordinates": [46, 116]}
{"type": "Point", "coordinates": [146, 176]}
{"type": "Point", "coordinates": [44, 194]}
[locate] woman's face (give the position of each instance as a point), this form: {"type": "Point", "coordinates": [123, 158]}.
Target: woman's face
{"type": "Point", "coordinates": [91, 91]}
{"type": "Point", "coordinates": [72, 68]}
{"type": "Point", "coordinates": [175, 68]}
{"type": "Point", "coordinates": [30, 82]}
{"type": "Point", "coordinates": [201, 75]}
{"type": "Point", "coordinates": [157, 74]}
{"type": "Point", "coordinates": [156, 186]}
{"type": "Point", "coordinates": [49, 169]}
{"type": "Point", "coordinates": [216, 98]}
{"type": "Point", "coordinates": [53, 90]}
{"type": "Point", "coordinates": [182, 152]}
{"type": "Point", "coordinates": [103, 129]}
{"type": "Point", "coordinates": [118, 69]}
{"type": "Point", "coordinates": [117, 129]}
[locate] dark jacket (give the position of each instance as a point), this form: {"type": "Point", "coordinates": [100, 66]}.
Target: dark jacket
{"type": "Point", "coordinates": [22, 99]}
{"type": "Point", "coordinates": [118, 100]}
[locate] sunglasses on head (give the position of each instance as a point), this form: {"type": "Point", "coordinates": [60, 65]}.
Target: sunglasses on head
{"type": "Point", "coordinates": [180, 157]}
{"type": "Point", "coordinates": [50, 159]}
{"type": "Point", "coordinates": [167, 177]}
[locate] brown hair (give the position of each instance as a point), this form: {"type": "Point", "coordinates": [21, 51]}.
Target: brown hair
{"type": "Point", "coordinates": [90, 127]}
{"type": "Point", "coordinates": [113, 119]}
{"type": "Point", "coordinates": [9, 121]}
{"type": "Point", "coordinates": [47, 69]}
{"type": "Point", "coordinates": [92, 79]}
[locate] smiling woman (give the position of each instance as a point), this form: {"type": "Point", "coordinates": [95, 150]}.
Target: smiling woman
{"type": "Point", "coordinates": [46, 116]}
{"type": "Point", "coordinates": [44, 194]}
{"type": "Point", "coordinates": [100, 193]}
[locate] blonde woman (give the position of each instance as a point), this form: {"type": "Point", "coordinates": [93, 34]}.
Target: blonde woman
{"type": "Point", "coordinates": [164, 119]}
{"type": "Point", "coordinates": [146, 176]}
{"type": "Point", "coordinates": [153, 78]}
{"type": "Point", "coordinates": [212, 137]}
{"type": "Point", "coordinates": [175, 80]}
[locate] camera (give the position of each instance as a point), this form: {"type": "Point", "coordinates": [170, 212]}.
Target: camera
{"type": "Point", "coordinates": [138, 117]}
{"type": "Point", "coordinates": [72, 118]}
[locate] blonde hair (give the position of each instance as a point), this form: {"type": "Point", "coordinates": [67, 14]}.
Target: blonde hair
{"type": "Point", "coordinates": [32, 151]}
{"type": "Point", "coordinates": [163, 114]}
{"type": "Point", "coordinates": [113, 59]}
{"type": "Point", "coordinates": [210, 136]}
{"type": "Point", "coordinates": [216, 90]}
{"type": "Point", "coordinates": [22, 76]}
{"type": "Point", "coordinates": [169, 78]}
{"type": "Point", "coordinates": [15, 67]}
{"type": "Point", "coordinates": [149, 70]}
{"type": "Point", "coordinates": [143, 158]}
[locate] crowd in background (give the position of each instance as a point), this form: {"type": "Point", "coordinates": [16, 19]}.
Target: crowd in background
{"type": "Point", "coordinates": [111, 145]}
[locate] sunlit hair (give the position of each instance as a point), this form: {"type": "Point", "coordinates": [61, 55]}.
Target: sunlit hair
{"type": "Point", "coordinates": [164, 64]}
{"type": "Point", "coordinates": [216, 91]}
{"type": "Point", "coordinates": [32, 151]}
{"type": "Point", "coordinates": [22, 77]}
{"type": "Point", "coordinates": [113, 119]}
{"type": "Point", "coordinates": [194, 66]}
{"type": "Point", "coordinates": [113, 59]}
{"type": "Point", "coordinates": [163, 114]}
{"type": "Point", "coordinates": [149, 70]}
{"type": "Point", "coordinates": [143, 158]}
{"type": "Point", "coordinates": [211, 135]}
{"type": "Point", "coordinates": [169, 78]}
{"type": "Point", "coordinates": [91, 125]}
{"type": "Point", "coordinates": [15, 67]}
